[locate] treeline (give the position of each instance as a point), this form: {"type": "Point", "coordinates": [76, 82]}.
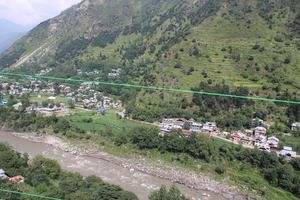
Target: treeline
{"type": "Point", "coordinates": [276, 170]}
{"type": "Point", "coordinates": [45, 177]}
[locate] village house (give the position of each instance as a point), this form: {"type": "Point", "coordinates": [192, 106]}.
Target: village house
{"type": "Point", "coordinates": [168, 125]}
{"type": "Point", "coordinates": [209, 127]}
{"type": "Point", "coordinates": [89, 103]}
{"type": "Point", "coordinates": [3, 102]}
{"type": "Point", "coordinates": [17, 106]}
{"type": "Point", "coordinates": [260, 140]}
{"type": "Point", "coordinates": [179, 123]}
{"type": "Point", "coordinates": [16, 179]}
{"type": "Point", "coordinates": [187, 133]}
{"type": "Point", "coordinates": [107, 101]}
{"type": "Point", "coordinates": [196, 127]}
{"type": "Point", "coordinates": [3, 175]}
{"type": "Point", "coordinates": [117, 104]}
{"type": "Point", "coordinates": [44, 72]}
{"type": "Point", "coordinates": [256, 122]}
{"type": "Point", "coordinates": [295, 126]}
{"type": "Point", "coordinates": [260, 131]}
{"type": "Point", "coordinates": [114, 73]}
{"type": "Point", "coordinates": [288, 152]}
{"type": "Point", "coordinates": [273, 142]}
{"type": "Point", "coordinates": [264, 147]}
{"type": "Point", "coordinates": [47, 110]}
{"type": "Point", "coordinates": [236, 136]}
{"type": "Point", "coordinates": [101, 110]}
{"type": "Point", "coordinates": [67, 90]}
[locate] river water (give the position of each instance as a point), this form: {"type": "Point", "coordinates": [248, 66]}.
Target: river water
{"type": "Point", "coordinates": [137, 182]}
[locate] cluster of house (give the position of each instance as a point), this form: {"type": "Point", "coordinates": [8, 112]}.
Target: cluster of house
{"type": "Point", "coordinates": [32, 86]}
{"type": "Point", "coordinates": [188, 127]}
{"type": "Point", "coordinates": [255, 137]}
{"type": "Point", "coordinates": [90, 73]}
{"type": "Point", "coordinates": [84, 95]}
{"type": "Point", "coordinates": [44, 72]}
{"type": "Point", "coordinates": [15, 179]}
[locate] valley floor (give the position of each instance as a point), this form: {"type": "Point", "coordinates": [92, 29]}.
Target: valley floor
{"type": "Point", "coordinates": [138, 175]}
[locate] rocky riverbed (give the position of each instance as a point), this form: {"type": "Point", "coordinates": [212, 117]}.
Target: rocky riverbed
{"type": "Point", "coordinates": [202, 186]}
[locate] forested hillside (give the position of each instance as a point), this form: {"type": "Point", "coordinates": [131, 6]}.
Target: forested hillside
{"type": "Point", "coordinates": [229, 46]}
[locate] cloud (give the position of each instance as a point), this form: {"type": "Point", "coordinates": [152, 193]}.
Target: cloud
{"type": "Point", "coordinates": [32, 12]}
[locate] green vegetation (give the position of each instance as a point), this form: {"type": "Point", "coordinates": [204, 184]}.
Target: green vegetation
{"type": "Point", "coordinates": [163, 193]}
{"type": "Point", "coordinates": [263, 172]}
{"type": "Point", "coordinates": [243, 47]}
{"type": "Point", "coordinates": [228, 46]}
{"type": "Point", "coordinates": [274, 170]}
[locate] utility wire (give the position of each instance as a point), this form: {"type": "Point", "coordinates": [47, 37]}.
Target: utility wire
{"type": "Point", "coordinates": [148, 87]}
{"type": "Point", "coordinates": [28, 194]}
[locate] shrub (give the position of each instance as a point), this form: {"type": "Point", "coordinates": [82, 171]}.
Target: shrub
{"type": "Point", "coordinates": [220, 169]}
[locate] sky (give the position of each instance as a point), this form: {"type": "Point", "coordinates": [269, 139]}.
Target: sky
{"type": "Point", "coordinates": [31, 12]}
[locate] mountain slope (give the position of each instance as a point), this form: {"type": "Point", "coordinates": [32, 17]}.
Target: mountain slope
{"type": "Point", "coordinates": [172, 43]}
{"type": "Point", "coordinates": [10, 32]}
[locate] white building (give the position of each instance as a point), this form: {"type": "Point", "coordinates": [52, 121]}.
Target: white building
{"type": "Point", "coordinates": [288, 152]}
{"type": "Point", "coordinates": [273, 142]}
{"type": "Point", "coordinates": [260, 130]}
{"type": "Point", "coordinates": [209, 127]}
{"type": "Point", "coordinates": [296, 126]}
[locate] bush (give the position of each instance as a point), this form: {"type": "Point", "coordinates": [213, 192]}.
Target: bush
{"type": "Point", "coordinates": [220, 169]}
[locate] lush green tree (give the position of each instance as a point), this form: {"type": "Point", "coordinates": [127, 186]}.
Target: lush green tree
{"type": "Point", "coordinates": [164, 194]}
{"type": "Point", "coordinates": [145, 137]}
{"type": "Point", "coordinates": [50, 167]}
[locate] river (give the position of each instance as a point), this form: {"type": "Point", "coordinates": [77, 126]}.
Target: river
{"type": "Point", "coordinates": [129, 179]}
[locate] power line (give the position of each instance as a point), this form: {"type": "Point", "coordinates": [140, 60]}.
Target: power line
{"type": "Point", "coordinates": [28, 194]}
{"type": "Point", "coordinates": [148, 87]}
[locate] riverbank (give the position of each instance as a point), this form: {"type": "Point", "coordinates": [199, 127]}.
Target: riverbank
{"type": "Point", "coordinates": [202, 186]}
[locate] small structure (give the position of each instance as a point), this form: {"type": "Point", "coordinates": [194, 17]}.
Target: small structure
{"type": "Point", "coordinates": [16, 179]}
{"type": "Point", "coordinates": [187, 133]}
{"type": "Point", "coordinates": [260, 130]}
{"type": "Point", "coordinates": [196, 127]}
{"type": "Point", "coordinates": [260, 140]}
{"type": "Point", "coordinates": [101, 110]}
{"type": "Point", "coordinates": [114, 73]}
{"type": "Point", "coordinates": [273, 142]}
{"type": "Point", "coordinates": [256, 122]}
{"type": "Point", "coordinates": [295, 126]}
{"type": "Point", "coordinates": [209, 127]}
{"type": "Point", "coordinates": [67, 90]}
{"type": "Point", "coordinates": [288, 152]}
{"type": "Point", "coordinates": [17, 106]}
{"type": "Point", "coordinates": [236, 136]}
{"type": "Point", "coordinates": [264, 148]}
{"type": "Point", "coordinates": [3, 102]}
{"type": "Point", "coordinates": [106, 102]}
{"type": "Point", "coordinates": [3, 176]}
